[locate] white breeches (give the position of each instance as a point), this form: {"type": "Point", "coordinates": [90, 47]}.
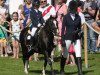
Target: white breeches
{"type": "Point", "coordinates": [77, 48]}
{"type": "Point", "coordinates": [33, 31]}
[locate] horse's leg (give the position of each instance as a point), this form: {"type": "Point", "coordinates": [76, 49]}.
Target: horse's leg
{"type": "Point", "coordinates": [45, 64]}
{"type": "Point", "coordinates": [49, 62]}
{"type": "Point", "coordinates": [26, 56]}
{"type": "Point", "coordinates": [26, 63]}
{"type": "Point", "coordinates": [26, 66]}
{"type": "Point", "coordinates": [26, 60]}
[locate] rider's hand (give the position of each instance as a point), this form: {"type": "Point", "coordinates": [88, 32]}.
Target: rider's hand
{"type": "Point", "coordinates": [39, 25]}
{"type": "Point", "coordinates": [43, 24]}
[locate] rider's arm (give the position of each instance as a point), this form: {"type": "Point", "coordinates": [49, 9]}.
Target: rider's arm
{"type": "Point", "coordinates": [41, 19]}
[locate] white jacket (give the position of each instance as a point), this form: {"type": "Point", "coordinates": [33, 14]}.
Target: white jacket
{"type": "Point", "coordinates": [52, 12]}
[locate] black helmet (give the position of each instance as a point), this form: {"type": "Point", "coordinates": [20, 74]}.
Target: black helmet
{"type": "Point", "coordinates": [73, 5]}
{"type": "Point", "coordinates": [36, 3]}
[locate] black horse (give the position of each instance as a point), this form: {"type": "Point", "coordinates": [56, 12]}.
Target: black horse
{"type": "Point", "coordinates": [42, 43]}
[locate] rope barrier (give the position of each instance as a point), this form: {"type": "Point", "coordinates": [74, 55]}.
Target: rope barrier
{"type": "Point", "coordinates": [92, 28]}
{"type": "Point", "coordinates": [12, 33]}
{"type": "Point", "coordinates": [9, 32]}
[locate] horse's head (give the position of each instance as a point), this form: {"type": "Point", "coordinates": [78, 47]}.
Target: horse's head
{"type": "Point", "coordinates": [51, 25]}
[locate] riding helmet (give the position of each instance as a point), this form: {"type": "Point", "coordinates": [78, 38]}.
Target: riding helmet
{"type": "Point", "coordinates": [36, 3]}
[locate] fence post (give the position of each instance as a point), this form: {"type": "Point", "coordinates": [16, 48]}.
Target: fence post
{"type": "Point", "coordinates": [85, 46]}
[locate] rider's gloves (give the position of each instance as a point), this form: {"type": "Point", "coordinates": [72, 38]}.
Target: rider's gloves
{"type": "Point", "coordinates": [39, 25]}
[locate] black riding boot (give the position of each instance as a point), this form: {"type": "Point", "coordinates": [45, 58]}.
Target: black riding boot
{"type": "Point", "coordinates": [62, 65]}
{"type": "Point", "coordinates": [79, 65]}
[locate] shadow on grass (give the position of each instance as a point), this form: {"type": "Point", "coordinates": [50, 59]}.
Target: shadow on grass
{"type": "Point", "coordinates": [85, 72]}
{"type": "Point", "coordinates": [88, 59]}
{"type": "Point", "coordinates": [56, 59]}
{"type": "Point", "coordinates": [58, 73]}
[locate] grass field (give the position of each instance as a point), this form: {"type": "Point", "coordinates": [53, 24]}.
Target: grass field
{"type": "Point", "coordinates": [9, 66]}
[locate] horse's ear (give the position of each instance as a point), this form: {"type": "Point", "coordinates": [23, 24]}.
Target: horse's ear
{"type": "Point", "coordinates": [50, 17]}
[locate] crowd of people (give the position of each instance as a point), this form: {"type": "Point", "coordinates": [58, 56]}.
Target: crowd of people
{"type": "Point", "coordinates": [15, 15]}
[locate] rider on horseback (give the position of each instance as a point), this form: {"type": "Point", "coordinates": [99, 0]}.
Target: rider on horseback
{"type": "Point", "coordinates": [36, 17]}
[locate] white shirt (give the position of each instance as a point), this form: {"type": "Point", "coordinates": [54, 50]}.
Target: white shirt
{"type": "Point", "coordinates": [52, 12]}
{"type": "Point", "coordinates": [3, 10]}
{"type": "Point", "coordinates": [72, 16]}
{"type": "Point", "coordinates": [82, 17]}
{"type": "Point", "coordinates": [15, 26]}
{"type": "Point", "coordinates": [13, 5]}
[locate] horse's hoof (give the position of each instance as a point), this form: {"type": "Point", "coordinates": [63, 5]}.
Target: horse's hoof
{"type": "Point", "coordinates": [43, 72]}
{"type": "Point", "coordinates": [26, 72]}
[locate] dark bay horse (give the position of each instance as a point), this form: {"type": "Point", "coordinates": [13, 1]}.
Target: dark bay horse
{"type": "Point", "coordinates": [42, 43]}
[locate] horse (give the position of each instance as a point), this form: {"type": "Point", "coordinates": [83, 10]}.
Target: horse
{"type": "Point", "coordinates": [41, 42]}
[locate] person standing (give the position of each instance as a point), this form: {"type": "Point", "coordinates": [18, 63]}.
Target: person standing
{"type": "Point", "coordinates": [90, 16]}
{"type": "Point", "coordinates": [15, 26]}
{"type": "Point", "coordinates": [25, 12]}
{"type": "Point", "coordinates": [61, 10]}
{"type": "Point", "coordinates": [72, 24]}
{"type": "Point", "coordinates": [3, 34]}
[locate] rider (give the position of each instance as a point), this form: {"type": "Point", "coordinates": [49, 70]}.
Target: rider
{"type": "Point", "coordinates": [36, 17]}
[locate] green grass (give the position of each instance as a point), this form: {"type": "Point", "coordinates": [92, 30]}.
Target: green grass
{"type": "Point", "coordinates": [9, 66]}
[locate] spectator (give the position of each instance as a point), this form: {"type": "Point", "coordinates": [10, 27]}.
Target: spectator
{"type": "Point", "coordinates": [3, 42]}
{"type": "Point", "coordinates": [86, 4]}
{"type": "Point", "coordinates": [61, 10]}
{"type": "Point", "coordinates": [16, 26]}
{"type": "Point", "coordinates": [96, 26]}
{"type": "Point", "coordinates": [3, 11]}
{"type": "Point", "coordinates": [90, 18]}
{"type": "Point", "coordinates": [25, 12]}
